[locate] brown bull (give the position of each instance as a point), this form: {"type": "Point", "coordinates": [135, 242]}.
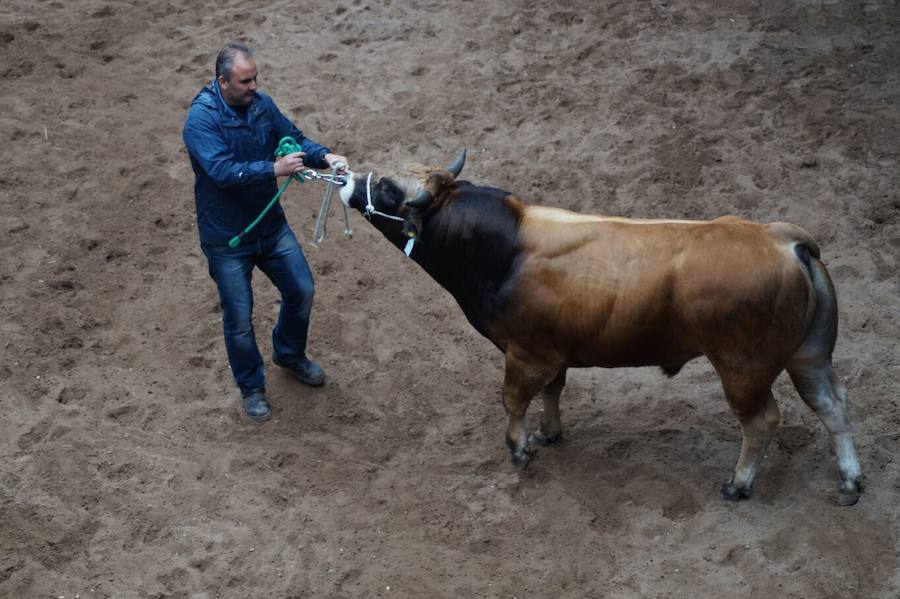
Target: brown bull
{"type": "Point", "coordinates": [554, 290]}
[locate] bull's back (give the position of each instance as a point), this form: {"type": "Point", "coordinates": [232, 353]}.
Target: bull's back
{"type": "Point", "coordinates": [613, 291]}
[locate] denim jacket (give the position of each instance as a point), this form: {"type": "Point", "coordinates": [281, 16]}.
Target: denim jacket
{"type": "Point", "coordinates": [233, 161]}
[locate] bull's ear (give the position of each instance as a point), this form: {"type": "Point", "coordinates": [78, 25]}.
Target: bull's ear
{"type": "Point", "coordinates": [422, 199]}
{"type": "Point", "coordinates": [457, 166]}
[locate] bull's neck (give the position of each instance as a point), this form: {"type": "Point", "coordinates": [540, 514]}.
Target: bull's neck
{"type": "Point", "coordinates": [473, 260]}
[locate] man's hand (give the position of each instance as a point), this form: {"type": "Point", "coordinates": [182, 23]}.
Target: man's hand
{"type": "Point", "coordinates": [333, 159]}
{"type": "Point", "coordinates": [289, 164]}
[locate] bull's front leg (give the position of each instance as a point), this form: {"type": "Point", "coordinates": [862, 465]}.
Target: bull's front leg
{"type": "Point", "coordinates": [522, 381]}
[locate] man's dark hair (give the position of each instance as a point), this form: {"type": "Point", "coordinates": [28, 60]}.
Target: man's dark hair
{"type": "Point", "coordinates": [225, 59]}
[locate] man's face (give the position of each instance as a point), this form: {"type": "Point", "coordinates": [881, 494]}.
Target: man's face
{"type": "Point", "coordinates": [240, 87]}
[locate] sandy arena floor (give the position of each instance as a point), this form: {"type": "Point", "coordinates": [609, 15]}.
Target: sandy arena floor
{"type": "Point", "coordinates": [125, 468]}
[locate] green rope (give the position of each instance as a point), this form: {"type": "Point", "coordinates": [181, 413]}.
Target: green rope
{"type": "Point", "coordinates": [286, 146]}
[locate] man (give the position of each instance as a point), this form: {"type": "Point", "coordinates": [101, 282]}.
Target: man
{"type": "Point", "coordinates": [231, 133]}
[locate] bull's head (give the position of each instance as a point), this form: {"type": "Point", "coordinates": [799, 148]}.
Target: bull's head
{"type": "Point", "coordinates": [396, 204]}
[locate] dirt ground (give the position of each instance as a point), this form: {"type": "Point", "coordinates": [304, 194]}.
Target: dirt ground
{"type": "Point", "coordinates": [125, 468]}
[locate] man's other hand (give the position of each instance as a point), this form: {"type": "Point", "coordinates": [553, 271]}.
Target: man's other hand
{"type": "Point", "coordinates": [289, 164]}
{"type": "Point", "coordinates": [340, 161]}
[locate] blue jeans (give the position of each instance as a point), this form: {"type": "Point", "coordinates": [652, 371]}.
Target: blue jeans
{"type": "Point", "coordinates": [278, 256]}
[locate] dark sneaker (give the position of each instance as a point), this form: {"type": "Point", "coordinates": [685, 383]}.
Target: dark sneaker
{"type": "Point", "coordinates": [255, 406]}
{"type": "Point", "coordinates": [304, 370]}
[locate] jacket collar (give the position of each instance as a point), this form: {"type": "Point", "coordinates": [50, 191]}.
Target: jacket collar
{"type": "Point", "coordinates": [256, 106]}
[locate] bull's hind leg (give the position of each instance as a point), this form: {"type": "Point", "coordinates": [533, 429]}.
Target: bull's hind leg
{"type": "Point", "coordinates": [522, 381]}
{"type": "Point", "coordinates": [820, 388]}
{"type": "Point", "coordinates": [759, 417]}
{"type": "Point", "coordinates": [550, 430]}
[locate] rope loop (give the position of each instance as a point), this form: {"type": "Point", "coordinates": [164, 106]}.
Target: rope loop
{"type": "Point", "coordinates": [287, 145]}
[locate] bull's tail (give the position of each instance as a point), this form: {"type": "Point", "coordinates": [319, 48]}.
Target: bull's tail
{"type": "Point", "coordinates": [821, 334]}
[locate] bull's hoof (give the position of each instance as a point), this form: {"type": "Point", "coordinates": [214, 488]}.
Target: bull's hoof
{"type": "Point", "coordinates": [848, 499]}
{"type": "Point", "coordinates": [522, 456]}
{"type": "Point", "coordinates": [849, 496]}
{"type": "Point", "coordinates": [732, 492]}
{"type": "Point", "coordinates": [538, 438]}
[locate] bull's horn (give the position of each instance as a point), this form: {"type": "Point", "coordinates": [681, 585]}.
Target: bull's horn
{"type": "Point", "coordinates": [458, 164]}
{"type": "Point", "coordinates": [422, 199]}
